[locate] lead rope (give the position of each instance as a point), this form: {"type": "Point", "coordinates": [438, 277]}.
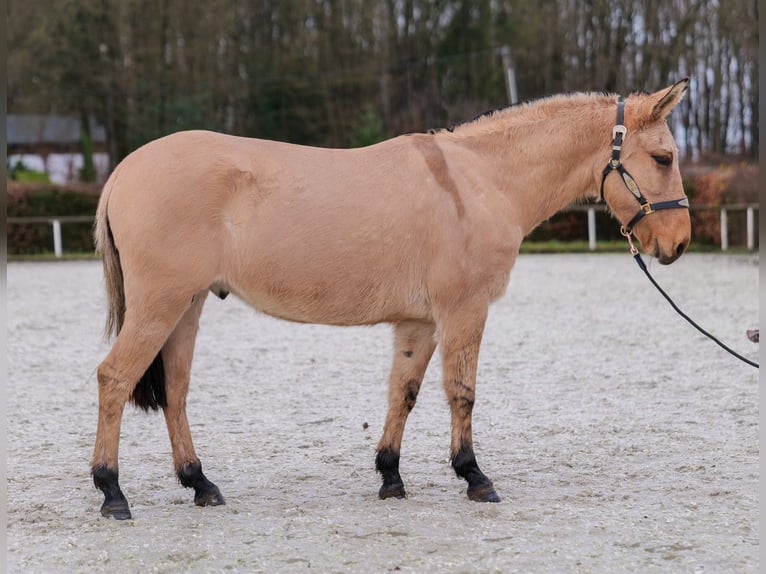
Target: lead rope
{"type": "Point", "coordinates": [642, 265]}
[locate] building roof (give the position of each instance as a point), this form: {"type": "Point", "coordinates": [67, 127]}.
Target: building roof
{"type": "Point", "coordinates": [31, 130]}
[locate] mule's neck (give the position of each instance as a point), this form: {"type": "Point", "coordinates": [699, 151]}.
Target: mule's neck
{"type": "Point", "coordinates": [546, 155]}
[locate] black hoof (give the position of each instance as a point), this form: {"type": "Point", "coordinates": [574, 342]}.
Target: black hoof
{"type": "Point", "coordinates": [395, 490]}
{"type": "Point", "coordinates": [209, 496]}
{"type": "Point", "coordinates": [117, 509]}
{"type": "Point", "coordinates": [483, 493]}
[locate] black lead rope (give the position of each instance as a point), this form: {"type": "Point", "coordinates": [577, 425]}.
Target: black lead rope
{"type": "Point", "coordinates": [642, 265]}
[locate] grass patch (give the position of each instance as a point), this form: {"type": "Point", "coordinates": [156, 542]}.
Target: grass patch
{"type": "Point", "coordinates": [555, 246]}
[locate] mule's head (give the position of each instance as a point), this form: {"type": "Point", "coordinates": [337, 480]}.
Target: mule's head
{"type": "Point", "coordinates": [649, 157]}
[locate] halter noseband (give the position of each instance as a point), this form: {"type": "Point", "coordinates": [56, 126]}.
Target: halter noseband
{"type": "Point", "coordinates": [619, 131]}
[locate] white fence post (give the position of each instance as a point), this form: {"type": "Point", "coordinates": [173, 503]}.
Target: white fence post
{"type": "Point", "coordinates": [724, 230]}
{"type": "Point", "coordinates": [592, 228]}
{"type": "Point", "coordinates": [750, 228]}
{"type": "Point", "coordinates": [56, 237]}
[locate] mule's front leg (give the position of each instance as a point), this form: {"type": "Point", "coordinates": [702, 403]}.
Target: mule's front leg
{"type": "Point", "coordinates": [460, 339]}
{"type": "Point", "coordinates": [413, 346]}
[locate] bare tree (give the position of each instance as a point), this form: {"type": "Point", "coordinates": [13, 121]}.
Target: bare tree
{"type": "Point", "coordinates": [324, 71]}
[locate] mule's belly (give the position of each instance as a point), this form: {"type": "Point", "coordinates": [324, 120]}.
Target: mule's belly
{"type": "Point", "coordinates": [324, 253]}
{"type": "Point", "coordinates": [353, 301]}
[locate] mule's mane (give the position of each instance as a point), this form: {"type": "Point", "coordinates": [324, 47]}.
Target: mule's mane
{"type": "Point", "coordinates": [533, 111]}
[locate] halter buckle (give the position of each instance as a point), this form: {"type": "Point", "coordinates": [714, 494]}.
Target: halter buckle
{"type": "Point", "coordinates": [647, 208]}
{"type": "Point", "coordinates": [619, 129]}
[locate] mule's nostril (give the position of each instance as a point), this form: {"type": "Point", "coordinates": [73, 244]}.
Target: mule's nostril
{"type": "Point", "coordinates": [680, 249]}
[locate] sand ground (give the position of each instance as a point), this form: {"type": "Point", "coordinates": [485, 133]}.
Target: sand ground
{"type": "Point", "coordinates": [619, 439]}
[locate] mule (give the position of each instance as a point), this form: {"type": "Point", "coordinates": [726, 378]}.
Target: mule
{"type": "Point", "coordinates": [420, 231]}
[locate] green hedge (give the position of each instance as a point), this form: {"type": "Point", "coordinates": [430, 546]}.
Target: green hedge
{"type": "Point", "coordinates": [47, 199]}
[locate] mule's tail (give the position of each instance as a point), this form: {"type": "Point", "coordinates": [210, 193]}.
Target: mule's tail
{"type": "Point", "coordinates": [115, 292]}
{"type": "Point", "coordinates": [149, 393]}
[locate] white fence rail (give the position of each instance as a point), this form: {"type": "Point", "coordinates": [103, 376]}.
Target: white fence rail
{"type": "Point", "coordinates": [55, 223]}
{"type": "Point", "coordinates": [725, 210]}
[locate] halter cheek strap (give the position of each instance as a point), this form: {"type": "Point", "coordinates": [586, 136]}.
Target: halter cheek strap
{"type": "Point", "coordinates": [619, 131]}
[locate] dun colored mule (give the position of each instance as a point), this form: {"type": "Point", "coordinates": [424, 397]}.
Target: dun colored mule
{"type": "Point", "coordinates": [420, 231]}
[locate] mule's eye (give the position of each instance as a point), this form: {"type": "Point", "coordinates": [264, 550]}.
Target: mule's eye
{"type": "Point", "coordinates": [664, 160]}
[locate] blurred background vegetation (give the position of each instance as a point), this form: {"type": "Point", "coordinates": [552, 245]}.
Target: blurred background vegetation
{"type": "Point", "coordinates": [345, 73]}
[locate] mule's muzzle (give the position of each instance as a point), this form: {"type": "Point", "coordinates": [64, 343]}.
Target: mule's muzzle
{"type": "Point", "coordinates": [666, 258]}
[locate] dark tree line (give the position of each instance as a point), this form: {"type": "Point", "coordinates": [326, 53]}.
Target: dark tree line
{"type": "Point", "coordinates": [351, 72]}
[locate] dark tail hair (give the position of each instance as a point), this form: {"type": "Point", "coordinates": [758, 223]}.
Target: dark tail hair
{"type": "Point", "coordinates": [149, 393]}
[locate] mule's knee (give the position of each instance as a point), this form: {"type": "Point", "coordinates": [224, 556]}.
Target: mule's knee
{"type": "Point", "coordinates": [112, 390]}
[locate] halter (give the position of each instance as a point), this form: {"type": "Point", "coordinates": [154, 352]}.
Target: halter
{"type": "Point", "coordinates": [619, 131]}
{"type": "Point", "coordinates": [618, 134]}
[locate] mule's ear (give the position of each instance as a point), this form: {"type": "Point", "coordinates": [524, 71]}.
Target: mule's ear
{"type": "Point", "coordinates": [665, 100]}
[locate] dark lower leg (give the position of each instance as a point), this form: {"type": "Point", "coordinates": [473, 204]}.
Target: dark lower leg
{"type": "Point", "coordinates": [115, 504]}
{"type": "Point", "coordinates": [112, 397]}
{"type": "Point", "coordinates": [387, 464]}
{"type": "Point", "coordinates": [402, 401]}
{"type": "Point", "coordinates": [462, 398]}
{"type": "Point", "coordinates": [178, 352]}
{"type": "Point", "coordinates": [480, 487]}
{"type": "Point", "coordinates": [205, 492]}
{"type": "Point", "coordinates": [413, 346]}
{"type": "Point", "coordinates": [461, 338]}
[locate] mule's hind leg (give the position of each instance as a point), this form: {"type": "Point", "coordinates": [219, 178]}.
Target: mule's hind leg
{"type": "Point", "coordinates": [460, 338]}
{"type": "Point", "coordinates": [414, 344]}
{"type": "Point", "coordinates": [140, 339]}
{"type": "Point", "coordinates": [177, 356]}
